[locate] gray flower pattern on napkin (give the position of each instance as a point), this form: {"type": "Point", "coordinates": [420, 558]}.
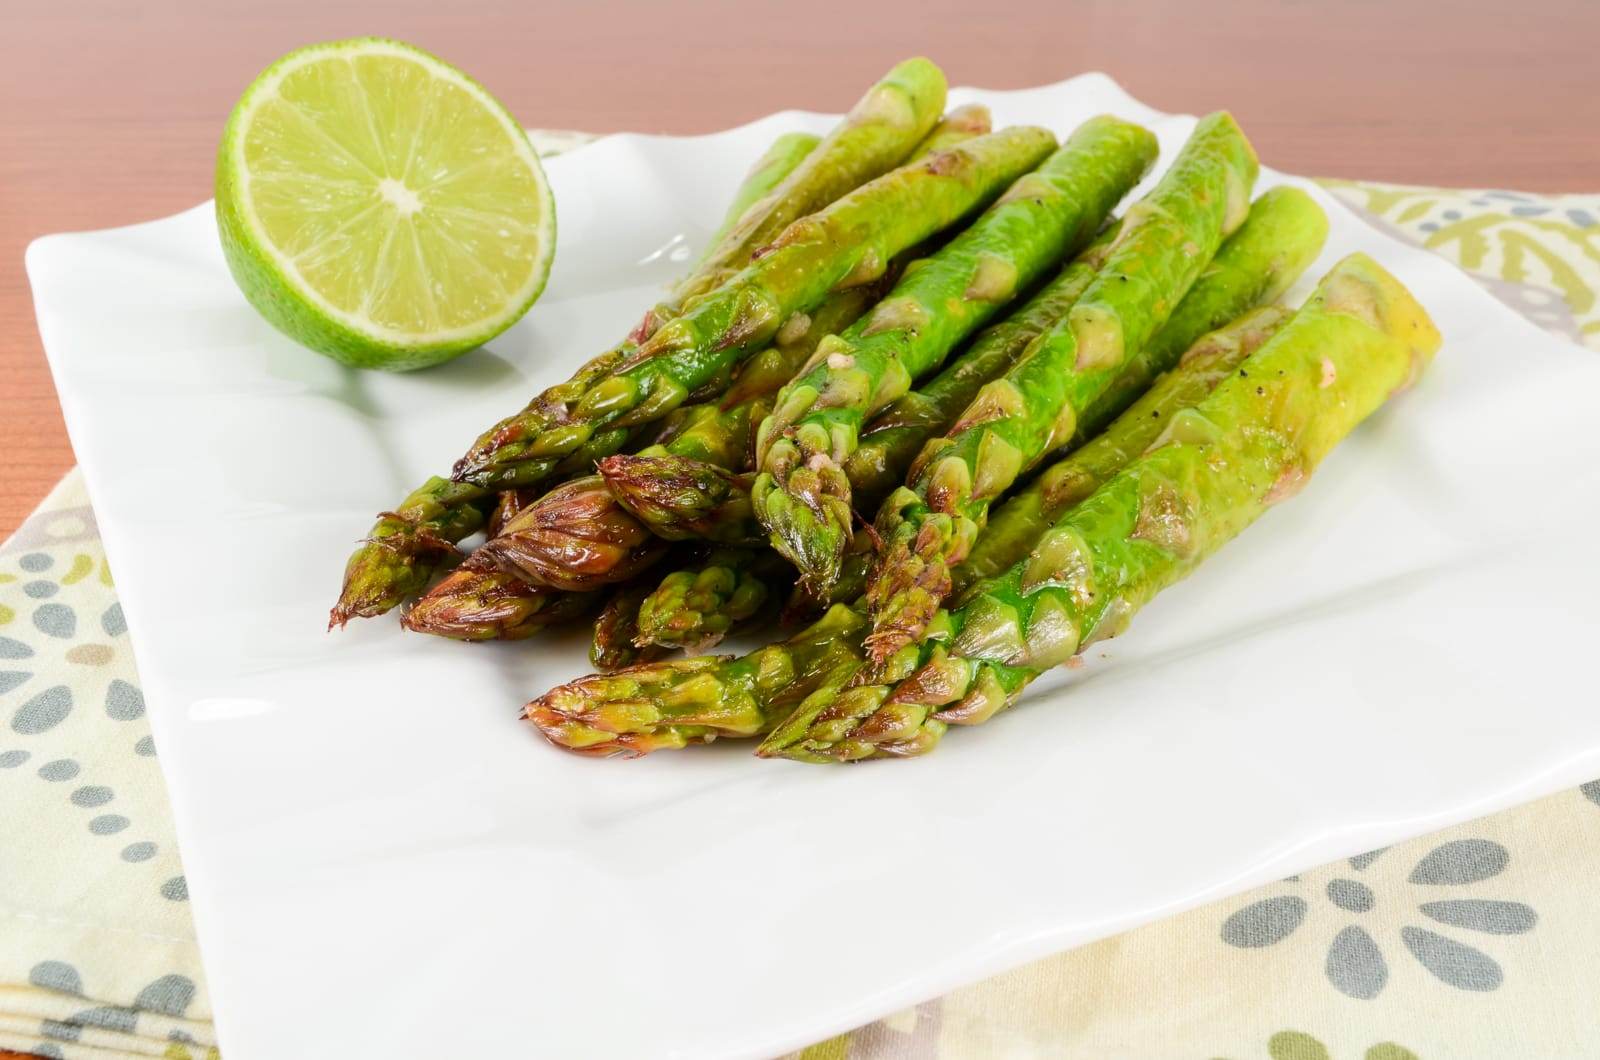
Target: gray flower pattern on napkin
{"type": "Point", "coordinates": [1356, 964]}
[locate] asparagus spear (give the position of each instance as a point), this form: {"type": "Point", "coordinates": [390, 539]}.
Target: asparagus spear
{"type": "Point", "coordinates": [892, 439]}
{"type": "Point", "coordinates": [683, 500]}
{"type": "Point", "coordinates": [878, 133]}
{"type": "Point", "coordinates": [693, 701]}
{"type": "Point", "coordinates": [696, 606]}
{"type": "Point", "coordinates": [1215, 468]}
{"type": "Point", "coordinates": [476, 601]}
{"type": "Point", "coordinates": [801, 494]}
{"type": "Point", "coordinates": [616, 630]}
{"type": "Point", "coordinates": [576, 538]}
{"type": "Point", "coordinates": [407, 546]}
{"type": "Point", "coordinates": [850, 242]}
{"type": "Point", "coordinates": [1016, 526]}
{"type": "Point", "coordinates": [1165, 240]}
{"type": "Point", "coordinates": [1283, 234]}
{"type": "Point", "coordinates": [963, 123]}
{"type": "Point", "coordinates": [770, 170]}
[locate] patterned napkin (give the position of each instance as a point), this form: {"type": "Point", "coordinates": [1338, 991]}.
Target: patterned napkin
{"type": "Point", "coordinates": [97, 951]}
{"type": "Point", "coordinates": [1481, 940]}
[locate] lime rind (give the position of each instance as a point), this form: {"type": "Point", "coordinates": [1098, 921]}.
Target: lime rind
{"type": "Point", "coordinates": [459, 237]}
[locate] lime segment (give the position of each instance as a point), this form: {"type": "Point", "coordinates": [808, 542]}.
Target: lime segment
{"type": "Point", "coordinates": [379, 206]}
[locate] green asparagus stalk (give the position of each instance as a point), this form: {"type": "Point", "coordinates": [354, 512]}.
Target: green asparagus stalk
{"type": "Point", "coordinates": [892, 439]}
{"type": "Point", "coordinates": [1216, 467]}
{"type": "Point", "coordinates": [616, 631]}
{"type": "Point", "coordinates": [576, 538]}
{"type": "Point", "coordinates": [477, 601]}
{"type": "Point", "coordinates": [963, 123]}
{"type": "Point", "coordinates": [848, 243]}
{"type": "Point", "coordinates": [878, 134]}
{"type": "Point", "coordinates": [697, 606]}
{"type": "Point", "coordinates": [770, 170]}
{"type": "Point", "coordinates": [1283, 234]}
{"type": "Point", "coordinates": [801, 494]}
{"type": "Point", "coordinates": [407, 546]}
{"type": "Point", "coordinates": [1015, 527]}
{"type": "Point", "coordinates": [1165, 241]}
{"type": "Point", "coordinates": [694, 701]}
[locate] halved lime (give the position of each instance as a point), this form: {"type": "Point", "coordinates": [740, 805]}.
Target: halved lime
{"type": "Point", "coordinates": [379, 206]}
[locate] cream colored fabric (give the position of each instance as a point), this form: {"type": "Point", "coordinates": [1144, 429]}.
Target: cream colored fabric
{"type": "Point", "coordinates": [97, 950]}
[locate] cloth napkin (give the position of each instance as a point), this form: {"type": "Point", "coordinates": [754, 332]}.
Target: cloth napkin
{"type": "Point", "coordinates": [1481, 940]}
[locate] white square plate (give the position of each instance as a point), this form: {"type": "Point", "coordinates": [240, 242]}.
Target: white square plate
{"type": "Point", "coordinates": [384, 862]}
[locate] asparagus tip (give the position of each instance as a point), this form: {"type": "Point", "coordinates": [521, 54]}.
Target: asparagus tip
{"type": "Point", "coordinates": [676, 497]}
{"type": "Point", "coordinates": [370, 589]}
{"type": "Point", "coordinates": [643, 708]}
{"type": "Point", "coordinates": [909, 580]}
{"type": "Point", "coordinates": [809, 519]}
{"type": "Point", "coordinates": [477, 601]}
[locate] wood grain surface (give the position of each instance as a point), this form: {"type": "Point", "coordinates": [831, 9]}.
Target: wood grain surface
{"type": "Point", "coordinates": [110, 111]}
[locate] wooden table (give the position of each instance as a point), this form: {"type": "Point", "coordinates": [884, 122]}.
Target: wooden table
{"type": "Point", "coordinates": [110, 111]}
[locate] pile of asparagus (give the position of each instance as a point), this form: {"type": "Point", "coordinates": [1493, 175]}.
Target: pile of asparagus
{"type": "Point", "coordinates": [1054, 414]}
